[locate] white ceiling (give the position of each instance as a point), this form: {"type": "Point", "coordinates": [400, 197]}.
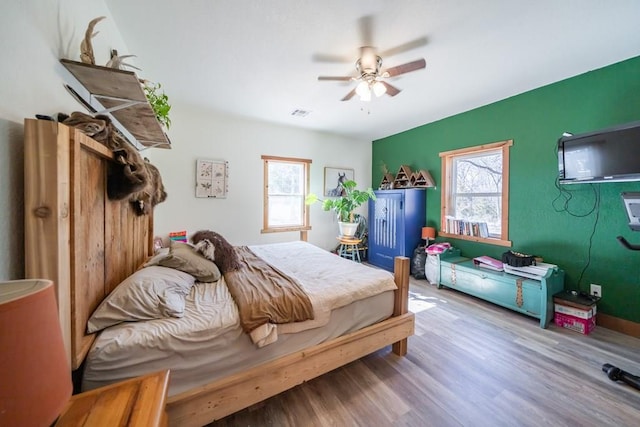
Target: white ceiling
{"type": "Point", "coordinates": [261, 59]}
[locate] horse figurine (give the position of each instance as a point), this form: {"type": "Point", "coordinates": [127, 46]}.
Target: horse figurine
{"type": "Point", "coordinates": [339, 190]}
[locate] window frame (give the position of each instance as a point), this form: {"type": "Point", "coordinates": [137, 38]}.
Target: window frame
{"type": "Point", "coordinates": [305, 227]}
{"type": "Point", "coordinates": [447, 158]}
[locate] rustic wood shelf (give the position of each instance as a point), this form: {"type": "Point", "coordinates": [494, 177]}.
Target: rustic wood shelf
{"type": "Point", "coordinates": [403, 177]}
{"type": "Point", "coordinates": [422, 179]}
{"type": "Point", "coordinates": [120, 95]}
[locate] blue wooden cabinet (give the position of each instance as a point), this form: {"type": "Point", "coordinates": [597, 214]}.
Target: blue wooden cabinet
{"type": "Point", "coordinates": [396, 219]}
{"type": "Point", "coordinates": [528, 296]}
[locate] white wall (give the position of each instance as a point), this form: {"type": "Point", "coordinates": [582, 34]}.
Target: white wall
{"type": "Point", "coordinates": [35, 34]}
{"type": "Point", "coordinates": [200, 134]}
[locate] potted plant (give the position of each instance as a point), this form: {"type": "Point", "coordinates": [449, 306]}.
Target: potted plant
{"type": "Point", "coordinates": [159, 102]}
{"type": "Point", "coordinates": [344, 205]}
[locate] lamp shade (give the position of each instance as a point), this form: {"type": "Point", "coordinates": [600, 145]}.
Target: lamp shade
{"type": "Point", "coordinates": [363, 89]}
{"type": "Point", "coordinates": [428, 233]}
{"type": "Point", "coordinates": [35, 378]}
{"type": "Point", "coordinates": [379, 88]}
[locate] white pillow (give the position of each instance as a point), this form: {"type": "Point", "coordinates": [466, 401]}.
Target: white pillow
{"type": "Point", "coordinates": [150, 293]}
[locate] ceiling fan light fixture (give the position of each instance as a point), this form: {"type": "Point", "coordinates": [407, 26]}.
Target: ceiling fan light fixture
{"type": "Point", "coordinates": [379, 89]}
{"type": "Point", "coordinates": [366, 97]}
{"type": "Point", "coordinates": [363, 89]}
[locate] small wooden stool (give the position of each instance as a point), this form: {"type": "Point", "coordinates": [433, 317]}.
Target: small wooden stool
{"type": "Point", "coordinates": [349, 248]}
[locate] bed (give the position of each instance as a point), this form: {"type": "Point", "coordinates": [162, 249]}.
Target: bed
{"type": "Point", "coordinates": [88, 245]}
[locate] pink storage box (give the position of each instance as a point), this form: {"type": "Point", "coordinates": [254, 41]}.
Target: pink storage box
{"type": "Point", "coordinates": [578, 324]}
{"type": "Point", "coordinates": [583, 313]}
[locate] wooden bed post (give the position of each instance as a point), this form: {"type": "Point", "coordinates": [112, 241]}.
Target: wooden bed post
{"type": "Point", "coordinates": [401, 303]}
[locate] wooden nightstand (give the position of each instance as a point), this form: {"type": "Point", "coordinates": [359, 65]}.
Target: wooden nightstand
{"type": "Point", "coordinates": [138, 402]}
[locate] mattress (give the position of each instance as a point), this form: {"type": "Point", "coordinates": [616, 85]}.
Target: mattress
{"type": "Point", "coordinates": [208, 342]}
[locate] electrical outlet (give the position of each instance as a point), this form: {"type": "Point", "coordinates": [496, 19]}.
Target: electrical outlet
{"type": "Point", "coordinates": [596, 290]}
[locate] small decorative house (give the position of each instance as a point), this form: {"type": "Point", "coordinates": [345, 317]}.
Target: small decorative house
{"type": "Point", "coordinates": [422, 178]}
{"type": "Point", "coordinates": [387, 182]}
{"type": "Point", "coordinates": [403, 177]}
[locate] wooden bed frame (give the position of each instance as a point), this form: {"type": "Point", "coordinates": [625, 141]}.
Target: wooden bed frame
{"type": "Point", "coordinates": [87, 244]}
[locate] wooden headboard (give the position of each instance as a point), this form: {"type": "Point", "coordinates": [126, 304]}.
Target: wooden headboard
{"type": "Point", "coordinates": [74, 235]}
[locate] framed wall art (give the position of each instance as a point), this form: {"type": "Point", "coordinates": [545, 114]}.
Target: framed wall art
{"type": "Point", "coordinates": [212, 178]}
{"type": "Point", "coordinates": [333, 179]}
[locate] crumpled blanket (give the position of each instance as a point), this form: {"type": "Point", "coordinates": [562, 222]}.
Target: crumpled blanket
{"type": "Point", "coordinates": [330, 282]}
{"type": "Point", "coordinates": [265, 297]}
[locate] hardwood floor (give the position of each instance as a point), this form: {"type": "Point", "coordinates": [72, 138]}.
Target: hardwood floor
{"type": "Point", "coordinates": [470, 363]}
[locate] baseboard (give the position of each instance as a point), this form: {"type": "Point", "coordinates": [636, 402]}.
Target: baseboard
{"type": "Point", "coordinates": [626, 327]}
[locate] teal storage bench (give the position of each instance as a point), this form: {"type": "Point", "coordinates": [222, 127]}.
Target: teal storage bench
{"type": "Point", "coordinates": [527, 296]}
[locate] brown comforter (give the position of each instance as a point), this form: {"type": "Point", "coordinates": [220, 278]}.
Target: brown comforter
{"type": "Point", "coordinates": [263, 294]}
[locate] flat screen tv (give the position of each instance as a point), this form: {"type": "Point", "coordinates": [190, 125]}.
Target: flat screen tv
{"type": "Point", "coordinates": [608, 155]}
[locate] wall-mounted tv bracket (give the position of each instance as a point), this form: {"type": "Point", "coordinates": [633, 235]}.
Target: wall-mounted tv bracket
{"type": "Point", "coordinates": [632, 206]}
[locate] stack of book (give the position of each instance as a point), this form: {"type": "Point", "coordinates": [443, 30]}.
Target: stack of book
{"type": "Point", "coordinates": [178, 236]}
{"type": "Point", "coordinates": [466, 228]}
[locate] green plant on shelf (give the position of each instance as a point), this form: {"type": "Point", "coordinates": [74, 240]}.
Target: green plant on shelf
{"type": "Point", "coordinates": [159, 102]}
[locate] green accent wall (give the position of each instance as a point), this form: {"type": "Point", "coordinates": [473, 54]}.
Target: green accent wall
{"type": "Point", "coordinates": [582, 242]}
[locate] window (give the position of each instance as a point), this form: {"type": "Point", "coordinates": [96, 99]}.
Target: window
{"type": "Point", "coordinates": [286, 184]}
{"type": "Point", "coordinates": [475, 193]}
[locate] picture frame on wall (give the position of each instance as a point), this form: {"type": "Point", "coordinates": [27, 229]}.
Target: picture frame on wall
{"type": "Point", "coordinates": [333, 179]}
{"type": "Point", "coordinates": [212, 178]}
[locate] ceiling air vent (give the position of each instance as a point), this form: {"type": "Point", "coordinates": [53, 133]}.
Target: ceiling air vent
{"type": "Point", "coordinates": [300, 113]}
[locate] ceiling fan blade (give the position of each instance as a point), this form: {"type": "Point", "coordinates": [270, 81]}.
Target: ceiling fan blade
{"type": "Point", "coordinates": [327, 57]}
{"type": "Point", "coordinates": [405, 68]}
{"type": "Point", "coordinates": [335, 78]}
{"type": "Point", "coordinates": [349, 95]}
{"type": "Point", "coordinates": [391, 90]}
{"type": "Point", "coordinates": [413, 44]}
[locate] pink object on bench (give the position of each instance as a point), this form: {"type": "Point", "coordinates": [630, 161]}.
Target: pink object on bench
{"type": "Point", "coordinates": [438, 248]}
{"type": "Point", "coordinates": [492, 262]}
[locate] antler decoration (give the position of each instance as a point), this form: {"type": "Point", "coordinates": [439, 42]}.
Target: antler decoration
{"type": "Point", "coordinates": [86, 49]}
{"type": "Point", "coordinates": [117, 61]}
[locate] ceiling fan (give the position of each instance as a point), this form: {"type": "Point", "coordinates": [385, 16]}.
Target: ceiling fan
{"type": "Point", "coordinates": [370, 75]}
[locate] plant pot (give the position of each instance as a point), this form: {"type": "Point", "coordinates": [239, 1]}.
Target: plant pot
{"type": "Point", "coordinates": [347, 229]}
